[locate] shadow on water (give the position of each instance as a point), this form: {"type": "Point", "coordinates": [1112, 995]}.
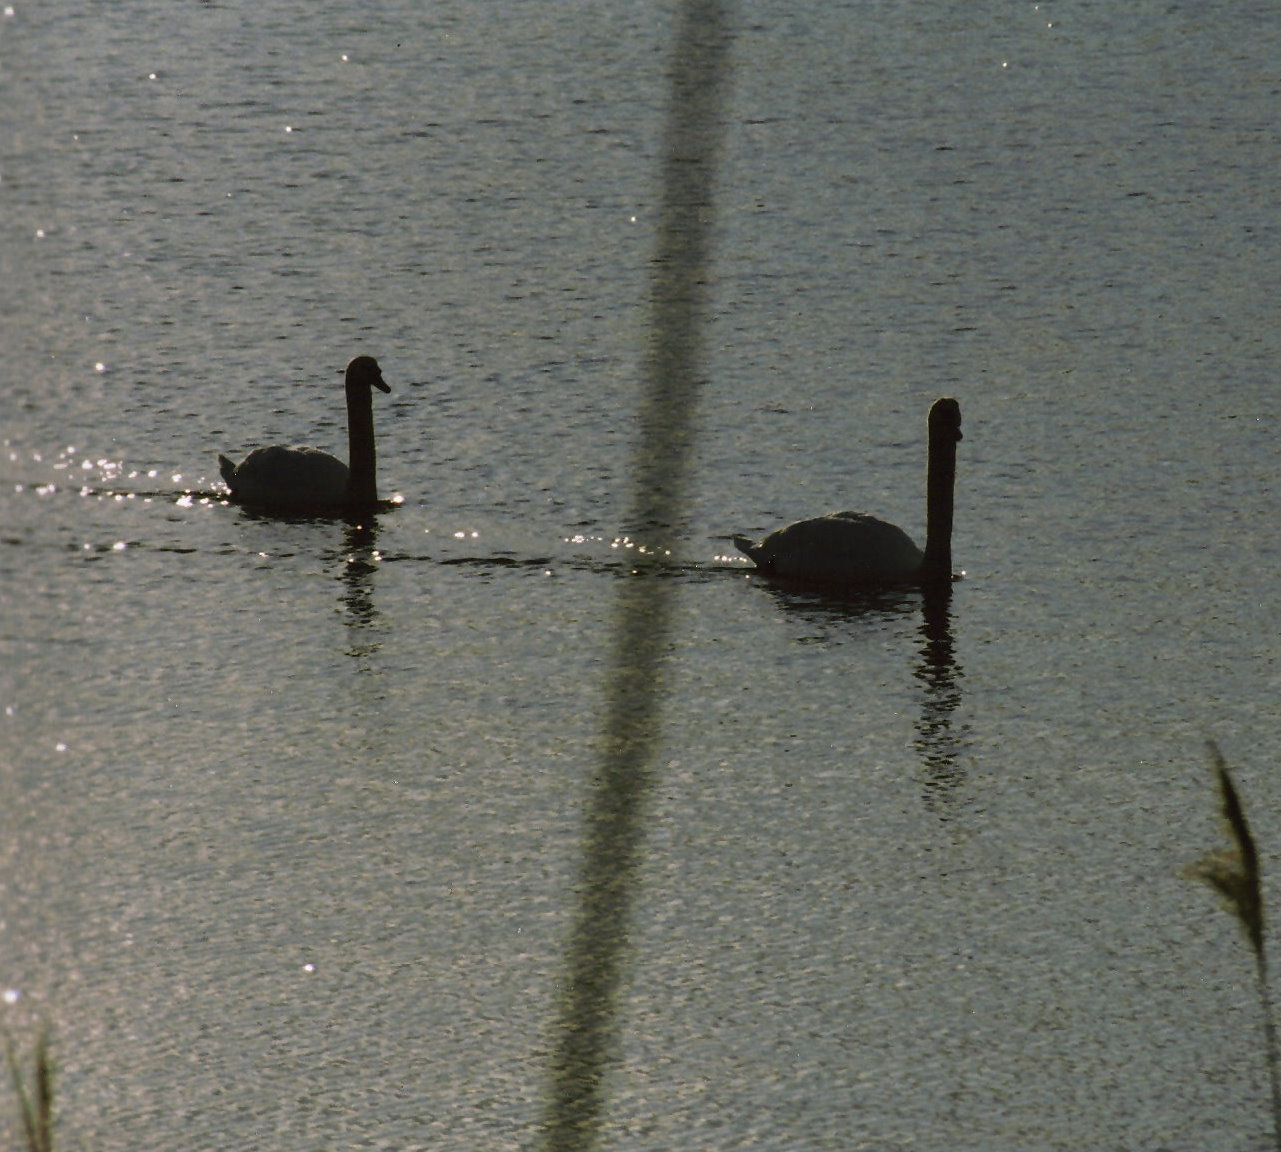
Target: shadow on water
{"type": "Point", "coordinates": [585, 1042]}
{"type": "Point", "coordinates": [938, 742]}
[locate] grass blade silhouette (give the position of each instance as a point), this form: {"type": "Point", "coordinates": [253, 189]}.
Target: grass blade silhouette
{"type": "Point", "coordinates": [1233, 873]}
{"type": "Point", "coordinates": [36, 1106]}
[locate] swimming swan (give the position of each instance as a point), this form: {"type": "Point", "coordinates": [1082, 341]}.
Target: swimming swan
{"type": "Point", "coordinates": [855, 548]}
{"type": "Point", "coordinates": [307, 479]}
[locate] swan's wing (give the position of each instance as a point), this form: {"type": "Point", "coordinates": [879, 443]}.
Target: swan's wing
{"type": "Point", "coordinates": [843, 547]}
{"type": "Point", "coordinates": [289, 478]}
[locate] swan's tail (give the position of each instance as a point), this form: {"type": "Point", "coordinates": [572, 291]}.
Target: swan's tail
{"type": "Point", "coordinates": [753, 550]}
{"type": "Point", "coordinates": [228, 470]}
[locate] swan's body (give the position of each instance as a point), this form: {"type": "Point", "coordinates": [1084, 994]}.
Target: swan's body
{"type": "Point", "coordinates": [855, 548]}
{"type": "Point", "coordinates": [300, 479]}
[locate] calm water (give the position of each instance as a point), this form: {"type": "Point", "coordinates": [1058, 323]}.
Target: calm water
{"type": "Point", "coordinates": [290, 812]}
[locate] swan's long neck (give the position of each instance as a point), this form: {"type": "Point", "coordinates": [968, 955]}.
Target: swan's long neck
{"type": "Point", "coordinates": [940, 481]}
{"type": "Point", "coordinates": [362, 479]}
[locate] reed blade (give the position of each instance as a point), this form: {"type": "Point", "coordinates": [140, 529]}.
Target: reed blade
{"type": "Point", "coordinates": [1233, 872]}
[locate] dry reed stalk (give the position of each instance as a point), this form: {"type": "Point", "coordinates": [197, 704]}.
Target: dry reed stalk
{"type": "Point", "coordinates": [37, 1107]}
{"type": "Point", "coordinates": [1233, 873]}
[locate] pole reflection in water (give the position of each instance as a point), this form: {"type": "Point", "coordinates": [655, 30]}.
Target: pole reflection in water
{"type": "Point", "coordinates": [585, 1043]}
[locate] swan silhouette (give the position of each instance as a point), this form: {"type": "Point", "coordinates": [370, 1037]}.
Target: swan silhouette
{"type": "Point", "coordinates": [855, 548]}
{"type": "Point", "coordinates": [301, 479]}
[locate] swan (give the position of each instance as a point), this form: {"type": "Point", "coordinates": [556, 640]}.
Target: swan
{"type": "Point", "coordinates": [855, 548]}
{"type": "Point", "coordinates": [307, 479]}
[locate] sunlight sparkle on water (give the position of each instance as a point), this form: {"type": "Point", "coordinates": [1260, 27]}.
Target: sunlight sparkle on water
{"type": "Point", "coordinates": [628, 542]}
{"type": "Point", "coordinates": [11, 995]}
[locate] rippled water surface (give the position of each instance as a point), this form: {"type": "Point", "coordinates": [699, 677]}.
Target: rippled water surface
{"type": "Point", "coordinates": [290, 810]}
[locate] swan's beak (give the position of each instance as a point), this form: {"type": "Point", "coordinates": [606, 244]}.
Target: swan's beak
{"type": "Point", "coordinates": [380, 385]}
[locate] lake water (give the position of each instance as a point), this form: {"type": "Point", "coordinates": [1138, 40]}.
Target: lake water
{"type": "Point", "coordinates": [291, 811]}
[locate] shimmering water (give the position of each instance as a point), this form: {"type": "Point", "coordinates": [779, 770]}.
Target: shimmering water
{"type": "Point", "coordinates": [290, 810]}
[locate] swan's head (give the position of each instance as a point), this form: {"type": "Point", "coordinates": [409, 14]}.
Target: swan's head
{"type": "Point", "coordinates": [945, 420]}
{"type": "Point", "coordinates": [364, 370]}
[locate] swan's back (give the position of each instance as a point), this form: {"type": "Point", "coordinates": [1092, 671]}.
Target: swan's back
{"type": "Point", "coordinates": [300, 478]}
{"type": "Point", "coordinates": [840, 548]}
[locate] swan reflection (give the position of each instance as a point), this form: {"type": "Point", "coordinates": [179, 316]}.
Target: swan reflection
{"type": "Point", "coordinates": [936, 671]}
{"type": "Point", "coordinates": [360, 562]}
{"type": "Point", "coordinates": [937, 741]}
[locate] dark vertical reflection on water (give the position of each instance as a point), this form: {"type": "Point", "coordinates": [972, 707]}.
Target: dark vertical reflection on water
{"type": "Point", "coordinates": [586, 1030]}
{"type": "Point", "coordinates": [360, 563]}
{"type": "Point", "coordinates": [936, 740]}
{"type": "Point", "coordinates": [830, 611]}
